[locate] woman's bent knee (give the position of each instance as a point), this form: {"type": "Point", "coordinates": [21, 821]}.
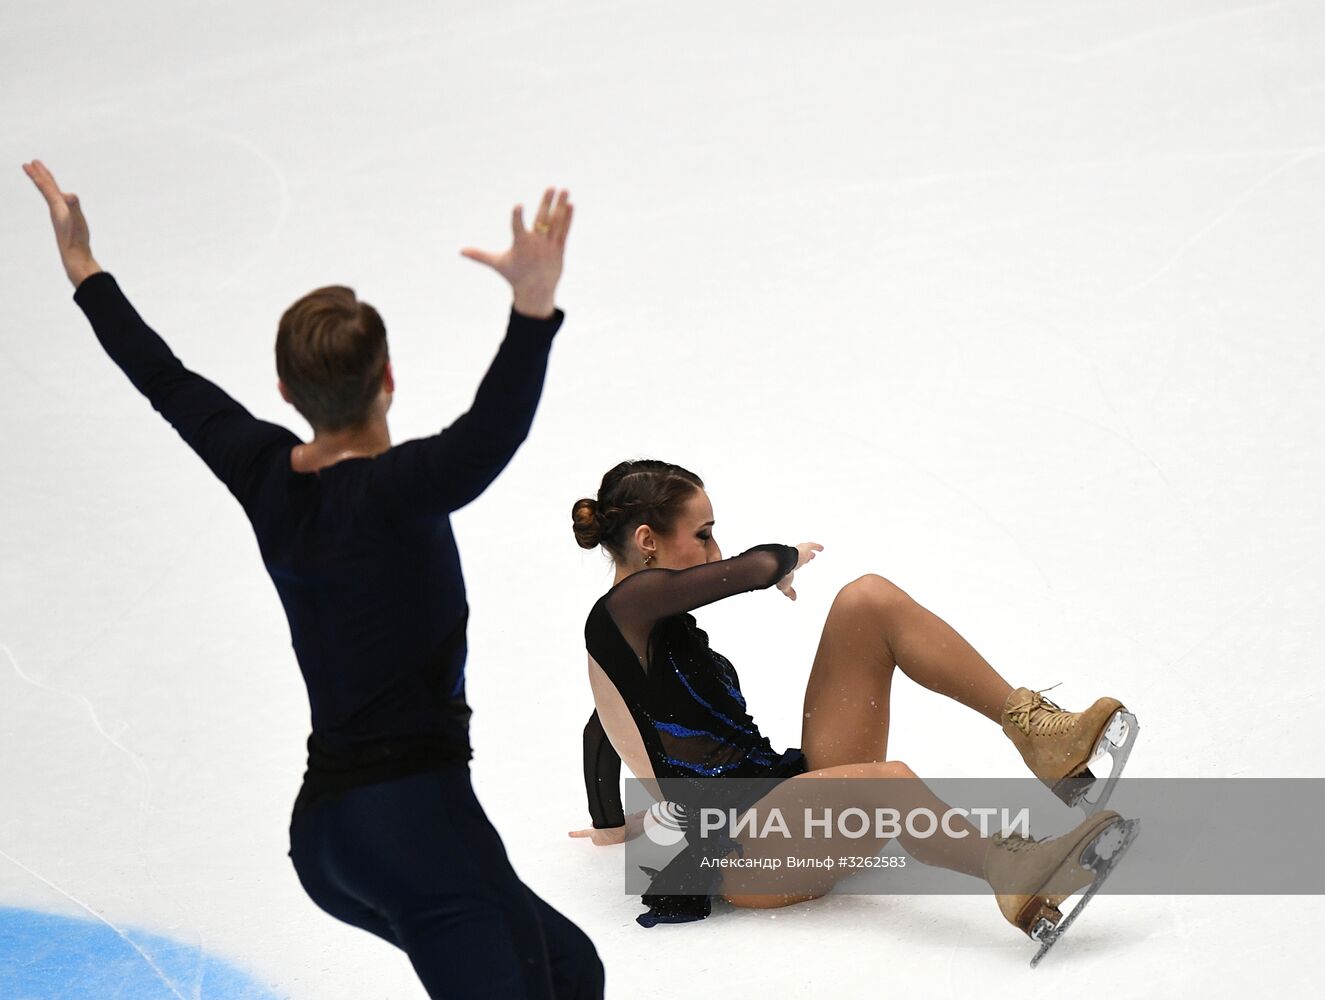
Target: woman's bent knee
{"type": "Point", "coordinates": [873, 590]}
{"type": "Point", "coordinates": [893, 769]}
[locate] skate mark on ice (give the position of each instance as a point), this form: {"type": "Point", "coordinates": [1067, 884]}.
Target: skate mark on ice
{"type": "Point", "coordinates": [1303, 156]}
{"type": "Point", "coordinates": [169, 984]}
{"type": "Point", "coordinates": [1165, 29]}
{"type": "Point", "coordinates": [779, 199]}
{"type": "Point", "coordinates": [144, 776]}
{"type": "Point", "coordinates": [47, 955]}
{"type": "Point", "coordinates": [273, 168]}
{"type": "Point", "coordinates": [874, 446]}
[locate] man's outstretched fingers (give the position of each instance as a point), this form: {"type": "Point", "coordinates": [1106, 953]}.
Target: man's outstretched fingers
{"type": "Point", "coordinates": [545, 206]}
{"type": "Point", "coordinates": [49, 189]}
{"type": "Point", "coordinates": [45, 183]}
{"type": "Point", "coordinates": [48, 185]}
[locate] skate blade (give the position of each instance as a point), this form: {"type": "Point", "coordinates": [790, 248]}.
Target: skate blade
{"type": "Point", "coordinates": [1101, 856]}
{"type": "Point", "coordinates": [1116, 740]}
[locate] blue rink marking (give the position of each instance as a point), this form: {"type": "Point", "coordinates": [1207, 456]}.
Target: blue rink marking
{"type": "Point", "coordinates": [48, 957]}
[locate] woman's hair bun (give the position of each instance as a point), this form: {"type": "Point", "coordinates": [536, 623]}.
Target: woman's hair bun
{"type": "Point", "coordinates": [586, 524]}
{"type": "Point", "coordinates": [634, 492]}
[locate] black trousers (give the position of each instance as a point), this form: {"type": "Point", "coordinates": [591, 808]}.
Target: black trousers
{"type": "Point", "coordinates": [415, 861]}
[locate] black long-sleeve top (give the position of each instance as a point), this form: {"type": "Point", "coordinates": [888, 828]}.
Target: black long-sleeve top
{"type": "Point", "coordinates": [602, 776]}
{"type": "Point", "coordinates": [361, 552]}
{"type": "Point", "coordinates": [684, 696]}
{"type": "Point", "coordinates": [685, 699]}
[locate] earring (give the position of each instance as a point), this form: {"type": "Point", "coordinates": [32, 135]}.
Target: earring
{"type": "Point", "coordinates": [648, 559]}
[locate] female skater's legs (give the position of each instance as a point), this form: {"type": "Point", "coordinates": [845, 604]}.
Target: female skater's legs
{"type": "Point", "coordinates": [416, 861]}
{"type": "Point", "coordinates": [872, 626]}
{"type": "Point", "coordinates": [1030, 879]}
{"type": "Point", "coordinates": [957, 845]}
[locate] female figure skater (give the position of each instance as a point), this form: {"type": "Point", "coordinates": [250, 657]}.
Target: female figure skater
{"type": "Point", "coordinates": [671, 707]}
{"type": "Point", "coordinates": [386, 833]}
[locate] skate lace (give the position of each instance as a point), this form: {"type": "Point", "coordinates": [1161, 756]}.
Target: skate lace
{"type": "Point", "coordinates": [1040, 714]}
{"type": "Point", "coordinates": [1016, 842]}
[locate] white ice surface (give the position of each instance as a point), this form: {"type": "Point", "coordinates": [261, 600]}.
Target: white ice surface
{"type": "Point", "coordinates": [1016, 304]}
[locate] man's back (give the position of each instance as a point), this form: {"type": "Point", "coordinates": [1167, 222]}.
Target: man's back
{"type": "Point", "coordinates": [361, 551]}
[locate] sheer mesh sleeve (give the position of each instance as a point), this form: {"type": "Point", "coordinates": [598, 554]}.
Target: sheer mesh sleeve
{"type": "Point", "coordinates": [649, 595]}
{"type": "Point", "coordinates": [602, 776]}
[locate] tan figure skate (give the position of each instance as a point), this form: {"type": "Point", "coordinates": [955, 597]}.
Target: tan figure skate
{"type": "Point", "coordinates": [1060, 746]}
{"type": "Point", "coordinates": [1031, 877]}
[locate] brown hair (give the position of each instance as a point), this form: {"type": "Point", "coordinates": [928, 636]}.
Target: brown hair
{"type": "Point", "coordinates": [639, 491]}
{"type": "Point", "coordinates": [330, 353]}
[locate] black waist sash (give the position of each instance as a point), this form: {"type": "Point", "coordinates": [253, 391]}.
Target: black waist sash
{"type": "Point", "coordinates": [333, 770]}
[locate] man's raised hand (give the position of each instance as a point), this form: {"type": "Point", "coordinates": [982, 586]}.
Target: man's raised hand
{"type": "Point", "coordinates": [533, 262]}
{"type": "Point", "coordinates": [71, 234]}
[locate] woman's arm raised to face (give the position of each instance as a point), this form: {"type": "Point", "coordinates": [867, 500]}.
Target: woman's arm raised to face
{"type": "Point", "coordinates": [649, 595]}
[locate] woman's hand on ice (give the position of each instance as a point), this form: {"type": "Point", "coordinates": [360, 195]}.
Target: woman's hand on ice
{"type": "Point", "coordinates": [71, 234]}
{"type": "Point", "coordinates": [533, 263]}
{"type": "Point", "coordinates": [615, 834]}
{"type": "Point", "coordinates": [807, 551]}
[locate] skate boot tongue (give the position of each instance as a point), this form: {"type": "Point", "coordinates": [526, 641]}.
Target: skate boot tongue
{"type": "Point", "coordinates": [1058, 745]}
{"type": "Point", "coordinates": [1015, 841]}
{"type": "Point", "coordinates": [1035, 715]}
